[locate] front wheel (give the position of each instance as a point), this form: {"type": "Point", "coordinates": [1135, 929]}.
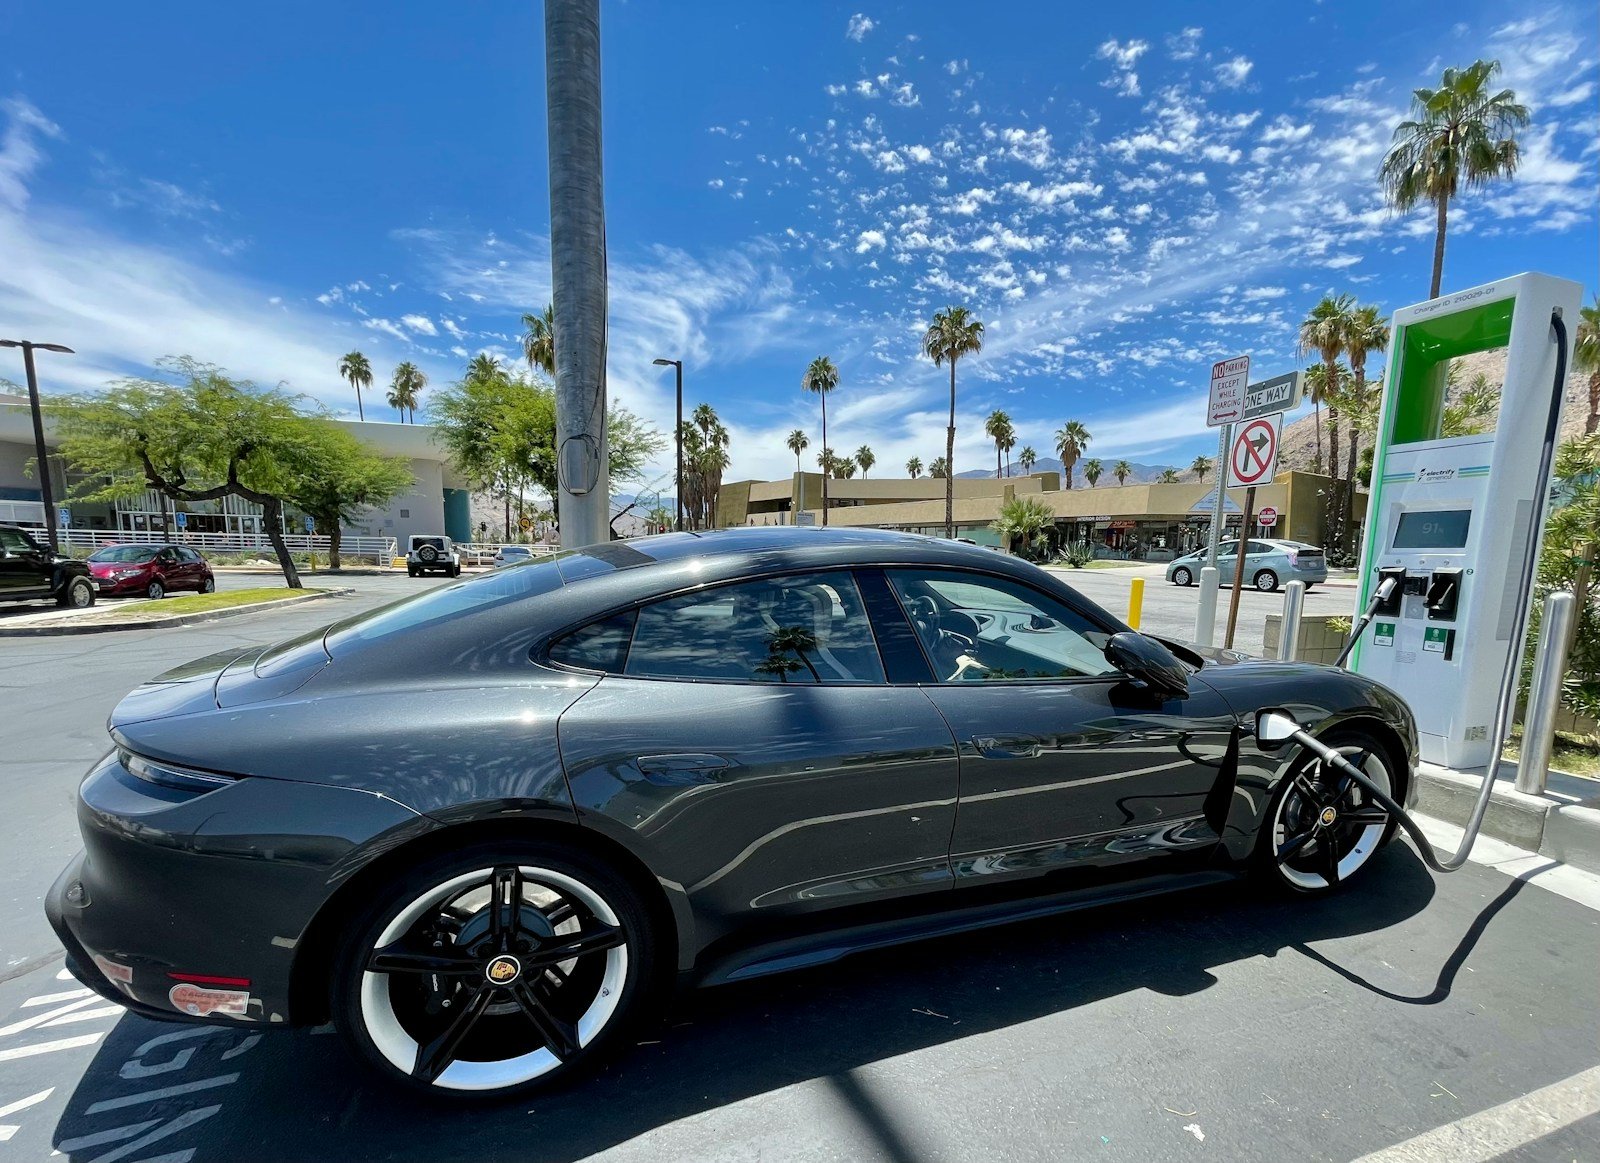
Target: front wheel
{"type": "Point", "coordinates": [77, 594]}
{"type": "Point", "coordinates": [1182, 577]}
{"type": "Point", "coordinates": [155, 591]}
{"type": "Point", "coordinates": [1266, 581]}
{"type": "Point", "coordinates": [493, 969]}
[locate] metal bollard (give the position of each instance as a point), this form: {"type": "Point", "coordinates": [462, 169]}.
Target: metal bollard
{"type": "Point", "coordinates": [1544, 696]}
{"type": "Point", "coordinates": [1135, 602]}
{"type": "Point", "coordinates": [1205, 619]}
{"type": "Point", "coordinates": [1294, 597]}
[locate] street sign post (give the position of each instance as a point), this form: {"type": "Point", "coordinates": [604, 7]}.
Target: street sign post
{"type": "Point", "coordinates": [180, 519]}
{"type": "Point", "coordinates": [1225, 405]}
{"type": "Point", "coordinates": [1253, 455]}
{"type": "Point", "coordinates": [311, 525]}
{"type": "Point", "coordinates": [64, 517]}
{"type": "Point", "coordinates": [1279, 394]}
{"type": "Point", "coordinates": [1267, 518]}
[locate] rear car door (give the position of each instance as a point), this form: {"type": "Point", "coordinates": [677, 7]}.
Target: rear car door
{"type": "Point", "coordinates": [744, 738]}
{"type": "Point", "coordinates": [1066, 766]}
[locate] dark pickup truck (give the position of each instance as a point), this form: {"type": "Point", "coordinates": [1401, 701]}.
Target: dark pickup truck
{"type": "Point", "coordinates": [30, 572]}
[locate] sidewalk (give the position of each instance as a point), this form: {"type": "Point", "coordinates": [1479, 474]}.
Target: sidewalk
{"type": "Point", "coordinates": [100, 619]}
{"type": "Point", "coordinates": [1563, 824]}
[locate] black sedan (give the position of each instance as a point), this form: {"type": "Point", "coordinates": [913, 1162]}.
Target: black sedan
{"type": "Point", "coordinates": [485, 828]}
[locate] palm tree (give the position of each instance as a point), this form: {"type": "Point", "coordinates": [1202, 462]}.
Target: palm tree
{"type": "Point", "coordinates": [1121, 470]}
{"type": "Point", "coordinates": [866, 458]}
{"type": "Point", "coordinates": [1008, 444]}
{"type": "Point", "coordinates": [939, 468]}
{"type": "Point", "coordinates": [483, 366]}
{"type": "Point", "coordinates": [539, 340]}
{"type": "Point", "coordinates": [1071, 439]}
{"type": "Point", "coordinates": [826, 461]}
{"type": "Point", "coordinates": [1458, 132]}
{"type": "Point", "coordinates": [1367, 332]}
{"type": "Point", "coordinates": [1325, 331]}
{"type": "Point", "coordinates": [1586, 357]}
{"type": "Point", "coordinates": [914, 467]}
{"type": "Point", "coordinates": [844, 468]}
{"type": "Point", "coordinates": [822, 377]}
{"type": "Point", "coordinates": [952, 334]}
{"type": "Point", "coordinates": [355, 368]}
{"type": "Point", "coordinates": [1200, 467]}
{"type": "Point", "coordinates": [1169, 476]}
{"type": "Point", "coordinates": [1093, 470]}
{"type": "Point", "coordinates": [1027, 458]}
{"type": "Point", "coordinates": [797, 443]}
{"type": "Point", "coordinates": [997, 427]}
{"type": "Point", "coordinates": [404, 389]}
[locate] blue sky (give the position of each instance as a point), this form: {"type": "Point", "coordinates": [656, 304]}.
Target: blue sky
{"type": "Point", "coordinates": [1124, 193]}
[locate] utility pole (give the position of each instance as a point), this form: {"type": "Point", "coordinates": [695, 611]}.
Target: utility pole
{"type": "Point", "coordinates": [41, 457]}
{"type": "Point", "coordinates": [677, 437]}
{"type": "Point", "coordinates": [578, 268]}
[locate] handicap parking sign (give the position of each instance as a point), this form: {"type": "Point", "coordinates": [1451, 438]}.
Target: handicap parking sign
{"type": "Point", "coordinates": [181, 520]}
{"type": "Point", "coordinates": [311, 525]}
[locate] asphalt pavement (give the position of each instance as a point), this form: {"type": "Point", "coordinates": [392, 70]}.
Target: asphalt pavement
{"type": "Point", "coordinates": [1217, 1024]}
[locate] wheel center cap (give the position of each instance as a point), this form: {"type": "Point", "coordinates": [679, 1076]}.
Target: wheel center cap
{"type": "Point", "coordinates": [1328, 817]}
{"type": "Point", "coordinates": [503, 970]}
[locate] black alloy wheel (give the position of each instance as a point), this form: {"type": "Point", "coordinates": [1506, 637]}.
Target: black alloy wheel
{"type": "Point", "coordinates": [490, 971]}
{"type": "Point", "coordinates": [1324, 827]}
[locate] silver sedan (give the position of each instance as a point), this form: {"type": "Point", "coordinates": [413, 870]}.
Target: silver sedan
{"type": "Point", "coordinates": [1267, 564]}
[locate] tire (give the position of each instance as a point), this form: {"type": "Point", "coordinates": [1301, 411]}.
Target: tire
{"type": "Point", "coordinates": [155, 591]}
{"type": "Point", "coordinates": [519, 1034]}
{"type": "Point", "coordinates": [411, 571]}
{"type": "Point", "coordinates": [1266, 581]}
{"type": "Point", "coordinates": [428, 554]}
{"type": "Point", "coordinates": [209, 586]}
{"type": "Point", "coordinates": [455, 571]}
{"type": "Point", "coordinates": [77, 594]}
{"type": "Point", "coordinates": [1182, 577]}
{"type": "Point", "coordinates": [1292, 813]}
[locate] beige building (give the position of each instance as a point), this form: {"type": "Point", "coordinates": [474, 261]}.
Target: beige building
{"type": "Point", "coordinates": [1149, 521]}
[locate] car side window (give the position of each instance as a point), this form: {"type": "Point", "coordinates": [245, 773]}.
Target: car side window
{"type": "Point", "coordinates": [1259, 547]}
{"type": "Point", "coordinates": [980, 628]}
{"type": "Point", "coordinates": [189, 556]}
{"type": "Point", "coordinates": [809, 629]}
{"type": "Point", "coordinates": [601, 645]}
{"type": "Point", "coordinates": [13, 541]}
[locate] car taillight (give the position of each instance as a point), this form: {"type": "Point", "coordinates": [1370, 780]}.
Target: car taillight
{"type": "Point", "coordinates": [1293, 558]}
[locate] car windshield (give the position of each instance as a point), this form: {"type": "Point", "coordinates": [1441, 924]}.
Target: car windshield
{"type": "Point", "coordinates": [535, 577]}
{"type": "Point", "coordinates": [124, 553]}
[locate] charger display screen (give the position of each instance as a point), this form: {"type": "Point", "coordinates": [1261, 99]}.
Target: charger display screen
{"type": "Point", "coordinates": [1437, 529]}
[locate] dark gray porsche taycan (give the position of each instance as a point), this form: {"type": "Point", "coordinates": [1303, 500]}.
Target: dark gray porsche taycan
{"type": "Point", "coordinates": [486, 828]}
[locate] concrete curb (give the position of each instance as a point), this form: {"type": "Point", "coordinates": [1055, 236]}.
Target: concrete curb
{"type": "Point", "coordinates": [66, 628]}
{"type": "Point", "coordinates": [1563, 824]}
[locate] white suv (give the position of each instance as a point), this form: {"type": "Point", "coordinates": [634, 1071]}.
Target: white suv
{"type": "Point", "coordinates": [430, 552]}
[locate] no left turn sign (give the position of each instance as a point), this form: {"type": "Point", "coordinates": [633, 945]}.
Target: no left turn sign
{"type": "Point", "coordinates": [1253, 456]}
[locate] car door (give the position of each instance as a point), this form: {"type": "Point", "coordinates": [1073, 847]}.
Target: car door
{"type": "Point", "coordinates": [194, 568]}
{"type": "Point", "coordinates": [745, 738]}
{"type": "Point", "coordinates": [19, 566]}
{"type": "Point", "coordinates": [1227, 561]}
{"type": "Point", "coordinates": [1066, 765]}
{"type": "Point", "coordinates": [1260, 555]}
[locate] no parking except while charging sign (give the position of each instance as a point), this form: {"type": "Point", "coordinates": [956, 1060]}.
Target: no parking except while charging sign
{"type": "Point", "coordinates": [1253, 454]}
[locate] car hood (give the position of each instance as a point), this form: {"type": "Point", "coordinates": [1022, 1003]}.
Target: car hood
{"type": "Point", "coordinates": [230, 678]}
{"type": "Point", "coordinates": [107, 568]}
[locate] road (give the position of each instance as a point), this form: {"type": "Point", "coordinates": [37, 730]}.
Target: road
{"type": "Point", "coordinates": [1218, 1024]}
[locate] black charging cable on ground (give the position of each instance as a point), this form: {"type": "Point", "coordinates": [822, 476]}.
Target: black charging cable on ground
{"type": "Point", "coordinates": [1275, 727]}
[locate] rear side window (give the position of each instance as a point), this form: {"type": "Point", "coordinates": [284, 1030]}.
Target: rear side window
{"type": "Point", "coordinates": [601, 645]}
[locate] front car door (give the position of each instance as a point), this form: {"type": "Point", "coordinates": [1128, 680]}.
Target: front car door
{"type": "Point", "coordinates": [1066, 766]}
{"type": "Point", "coordinates": [24, 566]}
{"type": "Point", "coordinates": [745, 740]}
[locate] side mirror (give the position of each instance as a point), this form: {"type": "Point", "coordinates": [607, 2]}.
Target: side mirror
{"type": "Point", "coordinates": [1148, 662]}
{"type": "Point", "coordinates": [1274, 727]}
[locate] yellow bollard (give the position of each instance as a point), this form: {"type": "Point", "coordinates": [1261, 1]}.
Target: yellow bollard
{"type": "Point", "coordinates": [1135, 603]}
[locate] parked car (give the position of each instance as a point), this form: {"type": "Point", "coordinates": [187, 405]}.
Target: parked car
{"type": "Point", "coordinates": [432, 553]}
{"type": "Point", "coordinates": [1268, 564]}
{"type": "Point", "coordinates": [150, 570]}
{"type": "Point", "coordinates": [29, 571]}
{"type": "Point", "coordinates": [512, 555]}
{"type": "Point", "coordinates": [776, 746]}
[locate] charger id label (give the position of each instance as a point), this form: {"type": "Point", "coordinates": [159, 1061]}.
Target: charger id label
{"type": "Point", "coordinates": [1383, 634]}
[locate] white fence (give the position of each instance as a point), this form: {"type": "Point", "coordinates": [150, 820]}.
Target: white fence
{"type": "Point", "coordinates": [380, 550]}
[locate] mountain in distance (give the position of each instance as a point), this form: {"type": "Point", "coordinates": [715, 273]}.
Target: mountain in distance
{"type": "Point", "coordinates": [1142, 474]}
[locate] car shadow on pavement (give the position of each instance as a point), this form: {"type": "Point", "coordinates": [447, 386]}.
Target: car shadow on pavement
{"type": "Point", "coordinates": [236, 1095]}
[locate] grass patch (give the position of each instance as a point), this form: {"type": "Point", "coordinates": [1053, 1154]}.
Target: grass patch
{"type": "Point", "coordinates": [1567, 755]}
{"type": "Point", "coordinates": [204, 603]}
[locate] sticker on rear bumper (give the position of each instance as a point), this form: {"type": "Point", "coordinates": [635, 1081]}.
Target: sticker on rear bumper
{"type": "Point", "coordinates": [198, 1001]}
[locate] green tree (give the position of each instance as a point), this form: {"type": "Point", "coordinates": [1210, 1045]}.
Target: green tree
{"type": "Point", "coordinates": [822, 377]}
{"type": "Point", "coordinates": [1586, 357]}
{"type": "Point", "coordinates": [201, 438]}
{"type": "Point", "coordinates": [1325, 331]}
{"type": "Point", "coordinates": [939, 469]}
{"type": "Point", "coordinates": [844, 468]}
{"type": "Point", "coordinates": [1024, 520]}
{"type": "Point", "coordinates": [1122, 470]}
{"type": "Point", "coordinates": [355, 368]}
{"type": "Point", "coordinates": [953, 333]}
{"type": "Point", "coordinates": [1093, 470]}
{"type": "Point", "coordinates": [914, 467]}
{"type": "Point", "coordinates": [797, 443]}
{"type": "Point", "coordinates": [405, 389]}
{"type": "Point", "coordinates": [1071, 439]}
{"type": "Point", "coordinates": [705, 459]}
{"type": "Point", "coordinates": [998, 428]}
{"type": "Point", "coordinates": [1367, 332]}
{"type": "Point", "coordinates": [539, 340]}
{"type": "Point", "coordinates": [1169, 476]}
{"type": "Point", "coordinates": [1571, 542]}
{"type": "Point", "coordinates": [1200, 467]}
{"type": "Point", "coordinates": [866, 458]}
{"type": "Point", "coordinates": [1027, 458]}
{"type": "Point", "coordinates": [1460, 132]}
{"type": "Point", "coordinates": [336, 478]}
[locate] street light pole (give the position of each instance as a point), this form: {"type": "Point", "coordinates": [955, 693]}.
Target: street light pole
{"type": "Point", "coordinates": [40, 456]}
{"type": "Point", "coordinates": [677, 437]}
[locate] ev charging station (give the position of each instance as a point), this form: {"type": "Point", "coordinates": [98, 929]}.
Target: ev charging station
{"type": "Point", "coordinates": [1450, 518]}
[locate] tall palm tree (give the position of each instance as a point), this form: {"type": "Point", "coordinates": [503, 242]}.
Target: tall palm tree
{"type": "Point", "coordinates": [1200, 467]}
{"type": "Point", "coordinates": [1093, 470]}
{"type": "Point", "coordinates": [1027, 458]}
{"type": "Point", "coordinates": [1325, 331]}
{"type": "Point", "coordinates": [1367, 332]}
{"type": "Point", "coordinates": [1458, 132]}
{"type": "Point", "coordinates": [952, 334]}
{"type": "Point", "coordinates": [914, 467]}
{"type": "Point", "coordinates": [1169, 476]}
{"type": "Point", "coordinates": [826, 460]}
{"type": "Point", "coordinates": [1121, 470]}
{"type": "Point", "coordinates": [997, 427]}
{"type": "Point", "coordinates": [355, 368]}
{"type": "Point", "coordinates": [940, 468]}
{"type": "Point", "coordinates": [1071, 439]}
{"type": "Point", "coordinates": [539, 340]}
{"type": "Point", "coordinates": [822, 377]}
{"type": "Point", "coordinates": [845, 467]}
{"type": "Point", "coordinates": [1586, 357]}
{"type": "Point", "coordinates": [483, 366]}
{"type": "Point", "coordinates": [405, 388]}
{"type": "Point", "coordinates": [866, 458]}
{"type": "Point", "coordinates": [797, 443]}
{"type": "Point", "coordinates": [1007, 445]}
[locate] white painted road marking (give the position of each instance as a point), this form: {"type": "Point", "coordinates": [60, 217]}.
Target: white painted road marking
{"type": "Point", "coordinates": [111, 1104]}
{"type": "Point", "coordinates": [41, 1019]}
{"type": "Point", "coordinates": [1489, 1133]}
{"type": "Point", "coordinates": [8, 1130]}
{"type": "Point", "coordinates": [84, 1016]}
{"type": "Point", "coordinates": [50, 1047]}
{"type": "Point", "coordinates": [45, 999]}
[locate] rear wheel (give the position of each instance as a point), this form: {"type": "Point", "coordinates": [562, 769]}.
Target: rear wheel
{"type": "Point", "coordinates": [492, 969]}
{"type": "Point", "coordinates": [1266, 581]}
{"type": "Point", "coordinates": [209, 586]}
{"type": "Point", "coordinates": [411, 571]}
{"type": "Point", "coordinates": [1182, 577]}
{"type": "Point", "coordinates": [77, 594]}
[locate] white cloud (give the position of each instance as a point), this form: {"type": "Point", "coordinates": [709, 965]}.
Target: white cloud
{"type": "Point", "coordinates": [865, 88]}
{"type": "Point", "coordinates": [19, 148]}
{"type": "Point", "coordinates": [919, 153]}
{"type": "Point", "coordinates": [1235, 72]}
{"type": "Point", "coordinates": [421, 324]}
{"type": "Point", "coordinates": [1185, 45]}
{"type": "Point", "coordinates": [1122, 56]}
{"type": "Point", "coordinates": [387, 326]}
{"type": "Point", "coordinates": [905, 97]}
{"type": "Point", "coordinates": [859, 26]}
{"type": "Point", "coordinates": [870, 240]}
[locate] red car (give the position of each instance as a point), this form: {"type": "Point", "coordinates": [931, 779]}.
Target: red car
{"type": "Point", "coordinates": [149, 570]}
